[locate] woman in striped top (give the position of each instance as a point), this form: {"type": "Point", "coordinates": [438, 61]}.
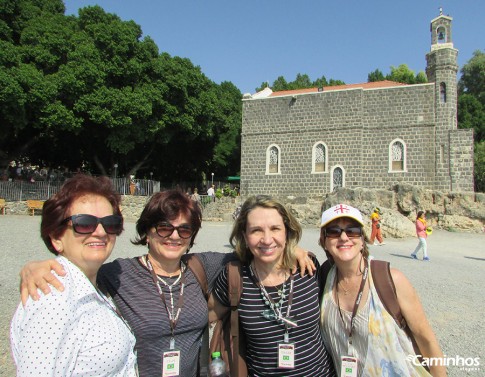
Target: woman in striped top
{"type": "Point", "coordinates": [278, 310]}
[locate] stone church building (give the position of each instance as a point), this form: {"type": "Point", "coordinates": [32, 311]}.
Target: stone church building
{"type": "Point", "coordinates": [372, 135]}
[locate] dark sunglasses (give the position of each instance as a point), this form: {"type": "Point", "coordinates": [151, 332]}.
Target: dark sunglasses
{"type": "Point", "coordinates": [166, 229]}
{"type": "Point", "coordinates": [350, 231]}
{"type": "Point", "coordinates": [85, 224]}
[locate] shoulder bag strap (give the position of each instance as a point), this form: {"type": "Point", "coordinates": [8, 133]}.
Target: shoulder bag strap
{"type": "Point", "coordinates": [381, 274]}
{"type": "Point", "coordinates": [197, 268]}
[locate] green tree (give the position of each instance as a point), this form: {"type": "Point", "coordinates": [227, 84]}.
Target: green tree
{"type": "Point", "coordinates": [479, 162]}
{"type": "Point", "coordinates": [377, 75]}
{"type": "Point", "coordinates": [472, 79]}
{"type": "Point", "coordinates": [302, 81]}
{"type": "Point", "coordinates": [471, 114]}
{"type": "Point", "coordinates": [280, 84]}
{"type": "Point", "coordinates": [471, 110]}
{"type": "Point", "coordinates": [401, 74]}
{"type": "Point", "coordinates": [100, 94]}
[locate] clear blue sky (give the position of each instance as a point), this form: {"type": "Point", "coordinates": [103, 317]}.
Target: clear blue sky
{"type": "Point", "coordinates": [248, 42]}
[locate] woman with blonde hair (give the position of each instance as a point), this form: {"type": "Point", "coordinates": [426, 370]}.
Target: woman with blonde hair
{"type": "Point", "coordinates": [278, 310]}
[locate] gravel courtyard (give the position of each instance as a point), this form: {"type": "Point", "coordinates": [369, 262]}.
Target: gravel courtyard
{"type": "Point", "coordinates": [450, 286]}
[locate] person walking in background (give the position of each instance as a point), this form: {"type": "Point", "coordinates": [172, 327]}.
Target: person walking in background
{"type": "Point", "coordinates": [211, 193]}
{"type": "Point", "coordinates": [357, 328]}
{"type": "Point", "coordinates": [421, 232]}
{"type": "Point", "coordinates": [376, 228]}
{"type": "Point", "coordinates": [77, 331]}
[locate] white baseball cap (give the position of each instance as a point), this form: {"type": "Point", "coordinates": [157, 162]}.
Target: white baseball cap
{"type": "Point", "coordinates": [341, 210]}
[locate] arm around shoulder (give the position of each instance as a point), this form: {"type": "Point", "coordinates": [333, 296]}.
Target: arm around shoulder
{"type": "Point", "coordinates": [37, 275]}
{"type": "Point", "coordinates": [413, 312]}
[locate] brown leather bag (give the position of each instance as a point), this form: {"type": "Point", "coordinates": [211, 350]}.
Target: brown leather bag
{"type": "Point", "coordinates": [227, 338]}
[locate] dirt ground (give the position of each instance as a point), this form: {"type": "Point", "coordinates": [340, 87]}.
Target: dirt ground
{"type": "Point", "coordinates": [450, 286]}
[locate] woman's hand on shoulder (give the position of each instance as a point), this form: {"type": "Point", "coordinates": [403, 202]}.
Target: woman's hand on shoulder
{"type": "Point", "coordinates": [37, 275]}
{"type": "Point", "coordinates": [304, 262]}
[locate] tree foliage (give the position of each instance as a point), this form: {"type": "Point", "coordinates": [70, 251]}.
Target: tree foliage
{"type": "Point", "coordinates": [471, 110]}
{"type": "Point", "coordinates": [472, 79]}
{"type": "Point", "coordinates": [401, 74]}
{"type": "Point", "coordinates": [90, 91]}
{"type": "Point", "coordinates": [302, 81]}
{"type": "Point", "coordinates": [479, 161]}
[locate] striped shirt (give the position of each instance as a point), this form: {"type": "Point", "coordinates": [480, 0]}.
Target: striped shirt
{"type": "Point", "coordinates": [131, 286]}
{"type": "Point", "coordinates": [263, 335]}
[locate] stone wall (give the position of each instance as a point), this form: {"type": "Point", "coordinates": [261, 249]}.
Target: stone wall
{"type": "Point", "coordinates": [131, 207]}
{"type": "Point", "coordinates": [449, 211]}
{"type": "Point", "coordinates": [357, 127]}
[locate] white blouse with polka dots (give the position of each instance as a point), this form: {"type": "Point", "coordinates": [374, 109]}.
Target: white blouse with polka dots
{"type": "Point", "coordinates": [71, 333]}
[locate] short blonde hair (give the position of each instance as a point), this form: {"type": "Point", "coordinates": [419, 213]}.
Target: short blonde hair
{"type": "Point", "coordinates": [292, 227]}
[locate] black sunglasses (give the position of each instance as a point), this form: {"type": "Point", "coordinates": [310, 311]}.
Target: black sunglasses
{"type": "Point", "coordinates": [350, 231]}
{"type": "Point", "coordinates": [166, 229]}
{"type": "Point", "coordinates": [85, 224]}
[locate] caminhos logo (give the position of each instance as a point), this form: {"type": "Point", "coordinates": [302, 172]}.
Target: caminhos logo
{"type": "Point", "coordinates": [464, 363]}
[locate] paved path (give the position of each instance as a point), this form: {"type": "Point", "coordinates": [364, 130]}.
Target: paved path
{"type": "Point", "coordinates": [451, 286]}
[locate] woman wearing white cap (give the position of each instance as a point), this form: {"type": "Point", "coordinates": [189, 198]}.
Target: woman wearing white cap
{"type": "Point", "coordinates": [363, 338]}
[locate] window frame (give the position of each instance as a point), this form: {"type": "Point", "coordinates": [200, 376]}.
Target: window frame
{"type": "Point", "coordinates": [268, 159]}
{"type": "Point", "coordinates": [325, 156]}
{"type": "Point", "coordinates": [404, 157]}
{"type": "Point", "coordinates": [332, 172]}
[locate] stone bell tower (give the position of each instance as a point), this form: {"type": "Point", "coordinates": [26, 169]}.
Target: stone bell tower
{"type": "Point", "coordinates": [442, 69]}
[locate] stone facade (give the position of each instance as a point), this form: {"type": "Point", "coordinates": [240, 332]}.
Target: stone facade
{"type": "Point", "coordinates": [358, 128]}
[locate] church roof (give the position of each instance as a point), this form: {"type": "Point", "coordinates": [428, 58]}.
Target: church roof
{"type": "Point", "coordinates": [365, 85]}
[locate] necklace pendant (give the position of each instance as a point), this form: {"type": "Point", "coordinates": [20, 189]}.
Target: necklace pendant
{"type": "Point", "coordinates": [269, 314]}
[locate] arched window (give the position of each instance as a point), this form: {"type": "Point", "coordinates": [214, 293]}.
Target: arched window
{"type": "Point", "coordinates": [443, 92]}
{"type": "Point", "coordinates": [319, 158]}
{"type": "Point", "coordinates": [397, 156]}
{"type": "Point", "coordinates": [441, 33]}
{"type": "Point", "coordinates": [273, 160]}
{"type": "Point", "coordinates": [338, 178]}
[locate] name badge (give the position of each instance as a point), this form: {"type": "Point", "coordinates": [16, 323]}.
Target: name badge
{"type": "Point", "coordinates": [286, 355]}
{"type": "Point", "coordinates": [349, 366]}
{"type": "Point", "coordinates": [171, 363]}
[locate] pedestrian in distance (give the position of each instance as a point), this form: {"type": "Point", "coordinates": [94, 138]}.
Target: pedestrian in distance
{"type": "Point", "coordinates": [422, 231]}
{"type": "Point", "coordinates": [212, 193]}
{"type": "Point", "coordinates": [376, 228]}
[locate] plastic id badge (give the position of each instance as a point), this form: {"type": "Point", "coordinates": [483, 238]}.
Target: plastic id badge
{"type": "Point", "coordinates": [286, 355]}
{"type": "Point", "coordinates": [171, 363]}
{"type": "Point", "coordinates": [349, 366]}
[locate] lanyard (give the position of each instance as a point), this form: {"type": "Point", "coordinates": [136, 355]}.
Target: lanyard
{"type": "Point", "coordinates": [357, 301]}
{"type": "Point", "coordinates": [173, 315]}
{"type": "Point", "coordinates": [286, 320]}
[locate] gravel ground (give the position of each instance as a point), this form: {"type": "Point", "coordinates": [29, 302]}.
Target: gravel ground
{"type": "Point", "coordinates": [450, 286]}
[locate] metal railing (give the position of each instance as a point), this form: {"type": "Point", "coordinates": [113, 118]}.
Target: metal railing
{"type": "Point", "coordinates": [13, 191]}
